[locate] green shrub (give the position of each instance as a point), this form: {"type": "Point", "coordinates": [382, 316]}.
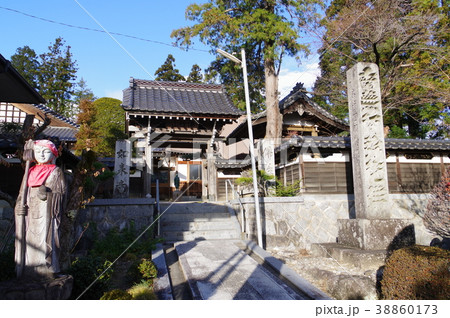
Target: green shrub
{"type": "Point", "coordinates": [116, 294]}
{"type": "Point", "coordinates": [85, 271]}
{"type": "Point", "coordinates": [116, 242]}
{"type": "Point", "coordinates": [290, 190]}
{"type": "Point", "coordinates": [148, 269]}
{"type": "Point", "coordinates": [417, 272]}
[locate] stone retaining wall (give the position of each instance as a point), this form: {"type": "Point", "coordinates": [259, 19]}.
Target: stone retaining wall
{"type": "Point", "coordinates": [297, 222]}
{"type": "Point", "coordinates": [102, 215]}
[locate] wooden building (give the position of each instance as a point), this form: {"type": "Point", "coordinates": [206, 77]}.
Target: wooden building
{"type": "Point", "coordinates": [312, 152]}
{"type": "Point", "coordinates": [323, 164]}
{"type": "Point", "coordinates": [301, 117]}
{"type": "Point", "coordinates": [175, 127]}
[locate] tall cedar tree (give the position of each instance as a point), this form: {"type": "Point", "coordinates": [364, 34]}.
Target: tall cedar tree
{"type": "Point", "coordinates": [26, 62]}
{"type": "Point", "coordinates": [57, 73]}
{"type": "Point", "coordinates": [168, 72]}
{"type": "Point", "coordinates": [195, 76]}
{"type": "Point", "coordinates": [409, 41]}
{"type": "Point", "coordinates": [267, 30]}
{"type": "Point", "coordinates": [52, 74]}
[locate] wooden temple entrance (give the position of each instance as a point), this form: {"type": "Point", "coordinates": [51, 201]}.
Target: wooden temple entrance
{"type": "Point", "coordinates": [174, 128]}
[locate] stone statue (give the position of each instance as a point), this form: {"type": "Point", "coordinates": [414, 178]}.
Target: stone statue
{"type": "Point", "coordinates": [38, 214]}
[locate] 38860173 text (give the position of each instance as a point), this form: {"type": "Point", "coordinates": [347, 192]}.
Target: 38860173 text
{"type": "Point", "coordinates": [380, 309]}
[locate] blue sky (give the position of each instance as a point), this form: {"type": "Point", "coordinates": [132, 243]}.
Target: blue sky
{"type": "Point", "coordinates": [106, 63]}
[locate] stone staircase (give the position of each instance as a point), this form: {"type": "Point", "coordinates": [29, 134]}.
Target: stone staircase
{"type": "Point", "coordinates": [188, 221]}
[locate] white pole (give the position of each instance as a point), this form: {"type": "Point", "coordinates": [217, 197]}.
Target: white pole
{"type": "Point", "coordinates": [252, 150]}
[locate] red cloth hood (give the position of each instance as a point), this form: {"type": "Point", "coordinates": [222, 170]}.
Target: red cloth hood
{"type": "Point", "coordinates": [38, 174]}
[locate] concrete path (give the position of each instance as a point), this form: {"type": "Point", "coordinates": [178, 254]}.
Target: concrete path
{"type": "Point", "coordinates": [221, 270]}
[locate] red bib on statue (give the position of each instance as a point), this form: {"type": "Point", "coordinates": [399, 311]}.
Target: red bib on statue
{"type": "Point", "coordinates": [38, 174]}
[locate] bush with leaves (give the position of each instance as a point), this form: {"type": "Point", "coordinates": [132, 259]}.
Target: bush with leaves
{"type": "Point", "coordinates": [148, 269]}
{"type": "Point", "coordinates": [417, 272]}
{"type": "Point", "coordinates": [264, 180]}
{"type": "Point", "coordinates": [290, 190]}
{"type": "Point", "coordinates": [437, 215]}
{"type": "Point", "coordinates": [87, 270]}
{"type": "Point", "coordinates": [116, 294]}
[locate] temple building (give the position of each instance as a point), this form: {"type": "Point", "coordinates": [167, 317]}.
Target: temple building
{"type": "Point", "coordinates": [175, 128]}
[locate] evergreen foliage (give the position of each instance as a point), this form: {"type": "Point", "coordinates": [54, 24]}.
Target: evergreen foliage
{"type": "Point", "coordinates": [195, 76]}
{"type": "Point", "coordinates": [267, 30]}
{"type": "Point", "coordinates": [168, 72]}
{"type": "Point", "coordinates": [52, 74]}
{"type": "Point", "coordinates": [109, 122]}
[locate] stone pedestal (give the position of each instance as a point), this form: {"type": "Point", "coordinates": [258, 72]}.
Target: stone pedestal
{"type": "Point", "coordinates": [375, 234]}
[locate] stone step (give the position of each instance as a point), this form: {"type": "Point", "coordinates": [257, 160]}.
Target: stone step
{"type": "Point", "coordinates": [198, 226]}
{"type": "Point", "coordinates": [364, 259]}
{"type": "Point", "coordinates": [176, 236]}
{"type": "Point", "coordinates": [195, 217]}
{"type": "Point", "coordinates": [194, 207]}
{"type": "Point", "coordinates": [197, 221]}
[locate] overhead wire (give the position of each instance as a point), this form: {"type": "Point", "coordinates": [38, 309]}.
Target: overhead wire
{"type": "Point", "coordinates": [100, 31]}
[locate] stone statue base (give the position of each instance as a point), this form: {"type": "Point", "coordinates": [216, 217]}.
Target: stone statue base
{"type": "Point", "coordinates": [375, 234]}
{"type": "Point", "coordinates": [59, 288]}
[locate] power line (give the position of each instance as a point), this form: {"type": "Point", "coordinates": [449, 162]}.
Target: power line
{"type": "Point", "coordinates": [97, 30]}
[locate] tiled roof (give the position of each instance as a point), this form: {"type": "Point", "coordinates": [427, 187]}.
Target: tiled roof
{"type": "Point", "coordinates": [230, 163]}
{"type": "Point", "coordinates": [178, 98]}
{"type": "Point", "coordinates": [298, 93]}
{"type": "Point", "coordinates": [390, 143]}
{"type": "Point", "coordinates": [62, 133]}
{"type": "Point", "coordinates": [57, 116]}
{"type": "Point", "coordinates": [57, 120]}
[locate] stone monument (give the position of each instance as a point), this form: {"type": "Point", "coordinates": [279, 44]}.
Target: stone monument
{"type": "Point", "coordinates": [38, 214]}
{"type": "Point", "coordinates": [373, 227]}
{"type": "Point", "coordinates": [122, 169]}
{"type": "Point", "coordinates": [266, 160]}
